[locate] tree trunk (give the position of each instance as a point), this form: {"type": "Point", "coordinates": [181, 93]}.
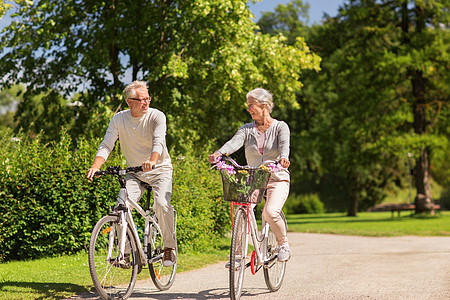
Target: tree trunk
{"type": "Point", "coordinates": [354, 200]}
{"type": "Point", "coordinates": [423, 201]}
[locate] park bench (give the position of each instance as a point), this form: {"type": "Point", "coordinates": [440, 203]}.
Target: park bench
{"type": "Point", "coordinates": [398, 207]}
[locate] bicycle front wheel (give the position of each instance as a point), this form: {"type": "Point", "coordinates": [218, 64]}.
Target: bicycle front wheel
{"type": "Point", "coordinates": [238, 253]}
{"type": "Point", "coordinates": [162, 277]}
{"type": "Point", "coordinates": [275, 271]}
{"type": "Point", "coordinates": [113, 276]}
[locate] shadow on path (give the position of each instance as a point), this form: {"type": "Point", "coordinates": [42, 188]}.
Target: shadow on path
{"type": "Point", "coordinates": [43, 289]}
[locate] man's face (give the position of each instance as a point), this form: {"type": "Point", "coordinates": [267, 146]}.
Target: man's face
{"type": "Point", "coordinates": [140, 103]}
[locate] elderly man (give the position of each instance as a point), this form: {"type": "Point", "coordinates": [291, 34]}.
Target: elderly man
{"type": "Point", "coordinates": [141, 132]}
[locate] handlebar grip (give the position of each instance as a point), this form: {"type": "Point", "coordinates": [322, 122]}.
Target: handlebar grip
{"type": "Point", "coordinates": [137, 169]}
{"type": "Point", "coordinates": [134, 169]}
{"type": "Point", "coordinates": [99, 173]}
{"type": "Point", "coordinates": [117, 170]}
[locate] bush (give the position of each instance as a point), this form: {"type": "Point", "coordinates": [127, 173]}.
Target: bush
{"type": "Point", "coordinates": [304, 204]}
{"type": "Point", "coordinates": [445, 200]}
{"type": "Point", "coordinates": [197, 196]}
{"type": "Point", "coordinates": [49, 207]}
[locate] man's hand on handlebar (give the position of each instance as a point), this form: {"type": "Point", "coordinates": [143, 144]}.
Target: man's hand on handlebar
{"type": "Point", "coordinates": [98, 162]}
{"type": "Point", "coordinates": [148, 165]}
{"type": "Point", "coordinates": [91, 172]}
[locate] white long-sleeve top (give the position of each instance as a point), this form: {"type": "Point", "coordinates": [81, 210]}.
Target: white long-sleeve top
{"type": "Point", "coordinates": [276, 145]}
{"type": "Point", "coordinates": [138, 137]}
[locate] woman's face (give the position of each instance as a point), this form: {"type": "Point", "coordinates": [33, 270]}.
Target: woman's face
{"type": "Point", "coordinates": [255, 109]}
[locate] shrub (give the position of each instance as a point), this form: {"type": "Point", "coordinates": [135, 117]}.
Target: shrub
{"type": "Point", "coordinates": [49, 207]}
{"type": "Point", "coordinates": [304, 204]}
{"type": "Point", "coordinates": [197, 197]}
{"type": "Point", "coordinates": [445, 200]}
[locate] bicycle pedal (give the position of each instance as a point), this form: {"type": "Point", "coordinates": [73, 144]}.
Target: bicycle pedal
{"type": "Point", "coordinates": [123, 264]}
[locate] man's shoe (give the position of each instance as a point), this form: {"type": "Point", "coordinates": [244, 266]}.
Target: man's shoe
{"type": "Point", "coordinates": [284, 253]}
{"type": "Point", "coordinates": [170, 257]}
{"type": "Point", "coordinates": [237, 264]}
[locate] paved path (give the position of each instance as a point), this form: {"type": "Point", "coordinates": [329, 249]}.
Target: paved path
{"type": "Point", "coordinates": [332, 267]}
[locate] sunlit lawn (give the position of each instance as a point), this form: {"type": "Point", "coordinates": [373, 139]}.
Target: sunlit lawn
{"type": "Point", "coordinates": [372, 224]}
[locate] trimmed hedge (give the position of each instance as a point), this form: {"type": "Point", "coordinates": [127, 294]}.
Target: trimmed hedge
{"type": "Point", "coordinates": [49, 207]}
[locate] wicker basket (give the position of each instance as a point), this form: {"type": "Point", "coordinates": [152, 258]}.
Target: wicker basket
{"type": "Point", "coordinates": [246, 186]}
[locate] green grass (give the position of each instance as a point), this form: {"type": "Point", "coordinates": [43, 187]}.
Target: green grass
{"type": "Point", "coordinates": [65, 276]}
{"type": "Point", "coordinates": [372, 224]}
{"type": "Point", "coordinates": [397, 195]}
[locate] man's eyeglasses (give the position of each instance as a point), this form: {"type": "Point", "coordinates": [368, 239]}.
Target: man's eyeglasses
{"type": "Point", "coordinates": [141, 100]}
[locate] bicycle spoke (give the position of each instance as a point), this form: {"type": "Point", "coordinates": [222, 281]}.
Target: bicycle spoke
{"type": "Point", "coordinates": [113, 276]}
{"type": "Point", "coordinates": [162, 277]}
{"type": "Point", "coordinates": [275, 271]}
{"type": "Point", "coordinates": [238, 254]}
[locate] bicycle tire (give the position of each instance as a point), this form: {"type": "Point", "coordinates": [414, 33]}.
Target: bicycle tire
{"type": "Point", "coordinates": [110, 280]}
{"type": "Point", "coordinates": [162, 277]}
{"type": "Point", "coordinates": [274, 273]}
{"type": "Point", "coordinates": [238, 253]}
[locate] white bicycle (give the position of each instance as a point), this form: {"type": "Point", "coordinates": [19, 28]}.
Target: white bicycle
{"type": "Point", "coordinates": [117, 254]}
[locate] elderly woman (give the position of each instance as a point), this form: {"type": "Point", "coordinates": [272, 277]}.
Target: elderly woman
{"type": "Point", "coordinates": [265, 139]}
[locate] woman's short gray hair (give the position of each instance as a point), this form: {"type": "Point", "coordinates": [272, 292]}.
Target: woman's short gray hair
{"type": "Point", "coordinates": [262, 96]}
{"type": "Point", "coordinates": [130, 90]}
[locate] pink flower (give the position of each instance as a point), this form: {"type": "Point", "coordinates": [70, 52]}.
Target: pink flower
{"type": "Point", "coordinates": [217, 159]}
{"type": "Point", "coordinates": [222, 165]}
{"type": "Point", "coordinates": [274, 168]}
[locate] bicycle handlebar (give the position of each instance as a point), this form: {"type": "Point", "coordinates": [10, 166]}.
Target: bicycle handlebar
{"type": "Point", "coordinates": [266, 162]}
{"type": "Point", "coordinates": [117, 170]}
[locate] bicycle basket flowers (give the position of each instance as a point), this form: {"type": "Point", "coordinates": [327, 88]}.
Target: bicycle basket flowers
{"type": "Point", "coordinates": [243, 185]}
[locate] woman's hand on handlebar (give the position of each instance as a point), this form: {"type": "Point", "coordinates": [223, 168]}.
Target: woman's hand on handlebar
{"type": "Point", "coordinates": [213, 158]}
{"type": "Point", "coordinates": [285, 163]}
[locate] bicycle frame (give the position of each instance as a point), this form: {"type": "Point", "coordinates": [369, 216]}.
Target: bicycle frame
{"type": "Point", "coordinates": [259, 240]}
{"type": "Point", "coordinates": [127, 219]}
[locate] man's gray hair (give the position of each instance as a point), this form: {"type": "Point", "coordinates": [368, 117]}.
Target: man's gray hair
{"type": "Point", "coordinates": [130, 90]}
{"type": "Point", "coordinates": [262, 96]}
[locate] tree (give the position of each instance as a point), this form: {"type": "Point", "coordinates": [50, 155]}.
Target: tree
{"type": "Point", "coordinates": [379, 84]}
{"type": "Point", "coordinates": [199, 58]}
{"type": "Point", "coordinates": [423, 39]}
{"type": "Point", "coordinates": [8, 100]}
{"type": "Point", "coordinates": [289, 20]}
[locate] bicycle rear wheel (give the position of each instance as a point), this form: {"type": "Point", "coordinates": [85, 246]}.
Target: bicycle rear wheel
{"type": "Point", "coordinates": [238, 253]}
{"type": "Point", "coordinates": [112, 280]}
{"type": "Point", "coordinates": [162, 277]}
{"type": "Point", "coordinates": [274, 273]}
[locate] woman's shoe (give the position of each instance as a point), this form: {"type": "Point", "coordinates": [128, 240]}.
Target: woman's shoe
{"type": "Point", "coordinates": [284, 253]}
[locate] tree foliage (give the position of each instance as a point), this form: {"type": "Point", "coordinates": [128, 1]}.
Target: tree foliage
{"type": "Point", "coordinates": [199, 57]}
{"type": "Point", "coordinates": [364, 108]}
{"type": "Point", "coordinates": [289, 20]}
